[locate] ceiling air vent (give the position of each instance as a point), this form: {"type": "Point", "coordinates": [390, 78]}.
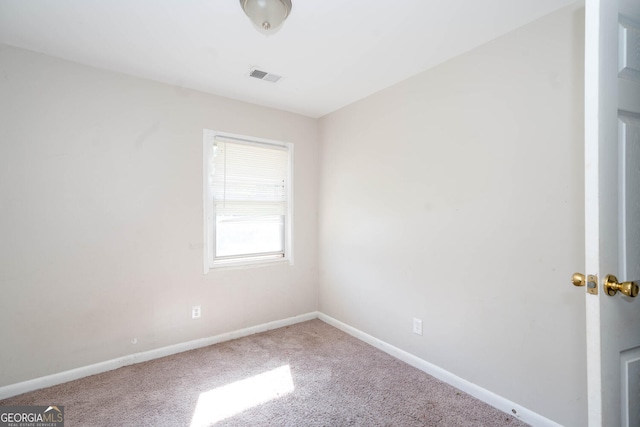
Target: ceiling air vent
{"type": "Point", "coordinates": [263, 75]}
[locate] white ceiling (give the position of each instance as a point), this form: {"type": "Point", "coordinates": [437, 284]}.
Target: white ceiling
{"type": "Point", "coordinates": [329, 52]}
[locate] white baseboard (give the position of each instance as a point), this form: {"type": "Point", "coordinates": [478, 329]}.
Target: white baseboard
{"type": "Point", "coordinates": [474, 390]}
{"type": "Point", "coordinates": [108, 365]}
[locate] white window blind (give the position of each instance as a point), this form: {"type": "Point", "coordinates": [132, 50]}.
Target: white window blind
{"type": "Point", "coordinates": [249, 185]}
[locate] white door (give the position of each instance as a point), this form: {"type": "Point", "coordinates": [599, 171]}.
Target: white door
{"type": "Point", "coordinates": [612, 205]}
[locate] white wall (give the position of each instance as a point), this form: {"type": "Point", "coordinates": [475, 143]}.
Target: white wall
{"type": "Point", "coordinates": [101, 217]}
{"type": "Point", "coordinates": [456, 197]}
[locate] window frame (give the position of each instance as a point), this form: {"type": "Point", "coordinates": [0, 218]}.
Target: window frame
{"type": "Point", "coordinates": [242, 261]}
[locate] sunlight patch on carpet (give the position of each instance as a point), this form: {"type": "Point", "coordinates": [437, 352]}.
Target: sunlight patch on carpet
{"type": "Point", "coordinates": [226, 401]}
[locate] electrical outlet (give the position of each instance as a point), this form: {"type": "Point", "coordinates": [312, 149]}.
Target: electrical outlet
{"type": "Point", "coordinates": [417, 326]}
{"type": "Point", "coordinates": [196, 311]}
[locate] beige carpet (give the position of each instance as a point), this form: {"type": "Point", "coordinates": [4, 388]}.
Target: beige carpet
{"type": "Point", "coordinates": [309, 374]}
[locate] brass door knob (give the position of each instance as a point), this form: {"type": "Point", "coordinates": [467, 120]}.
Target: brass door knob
{"type": "Point", "coordinates": [612, 286]}
{"type": "Point", "coordinates": [578, 279]}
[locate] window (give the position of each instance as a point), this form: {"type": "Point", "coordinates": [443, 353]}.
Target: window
{"type": "Point", "coordinates": [247, 200]}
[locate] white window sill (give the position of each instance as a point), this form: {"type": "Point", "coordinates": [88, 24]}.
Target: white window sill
{"type": "Point", "coordinates": [244, 264]}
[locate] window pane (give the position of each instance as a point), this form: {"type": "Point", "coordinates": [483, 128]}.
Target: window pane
{"type": "Point", "coordinates": [240, 235]}
{"type": "Point", "coordinates": [249, 186]}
